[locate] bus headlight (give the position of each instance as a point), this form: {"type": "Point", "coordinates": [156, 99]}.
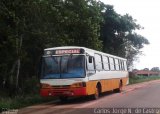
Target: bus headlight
{"type": "Point", "coordinates": [79, 84]}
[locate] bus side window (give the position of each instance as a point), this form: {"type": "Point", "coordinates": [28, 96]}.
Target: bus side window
{"type": "Point", "coordinates": [119, 62]}
{"type": "Point", "coordinates": [98, 61]}
{"type": "Point", "coordinates": [90, 65]}
{"type": "Point", "coordinates": [90, 59]}
{"type": "Point", "coordinates": [116, 64]}
{"type": "Point", "coordinates": [125, 66]}
{"type": "Point", "coordinates": [111, 60]}
{"type": "Point", "coordinates": [122, 63]}
{"type": "Point", "coordinates": [106, 63]}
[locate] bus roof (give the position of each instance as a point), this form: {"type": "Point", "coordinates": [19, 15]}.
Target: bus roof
{"type": "Point", "coordinates": [86, 49]}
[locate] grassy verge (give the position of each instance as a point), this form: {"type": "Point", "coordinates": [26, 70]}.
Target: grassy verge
{"type": "Point", "coordinates": [139, 79]}
{"type": "Point", "coordinates": [27, 97]}
{"type": "Point", "coordinates": [21, 101]}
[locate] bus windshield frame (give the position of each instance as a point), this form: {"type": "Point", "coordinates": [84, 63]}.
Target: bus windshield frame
{"type": "Point", "coordinates": [63, 66]}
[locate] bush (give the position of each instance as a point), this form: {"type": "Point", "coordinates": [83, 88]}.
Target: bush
{"type": "Point", "coordinates": [138, 79]}
{"type": "Point", "coordinates": [30, 86]}
{"type": "Point", "coordinates": [22, 101]}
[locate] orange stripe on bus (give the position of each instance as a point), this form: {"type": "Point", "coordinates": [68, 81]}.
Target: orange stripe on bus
{"type": "Point", "coordinates": [106, 84]}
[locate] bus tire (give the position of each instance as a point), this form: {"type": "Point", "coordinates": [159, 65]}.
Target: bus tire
{"type": "Point", "coordinates": [97, 92]}
{"type": "Point", "coordinates": [63, 98]}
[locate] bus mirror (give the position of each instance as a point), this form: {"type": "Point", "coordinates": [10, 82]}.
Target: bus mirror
{"type": "Point", "coordinates": [90, 59]}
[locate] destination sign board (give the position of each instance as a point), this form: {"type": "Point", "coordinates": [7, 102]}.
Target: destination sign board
{"type": "Point", "coordinates": [64, 51]}
{"type": "Point", "coordinates": [67, 51]}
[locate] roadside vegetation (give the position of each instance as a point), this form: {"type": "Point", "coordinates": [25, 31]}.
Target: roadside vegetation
{"type": "Point", "coordinates": [18, 101]}
{"type": "Point", "coordinates": [139, 79]}
{"type": "Point", "coordinates": [26, 96]}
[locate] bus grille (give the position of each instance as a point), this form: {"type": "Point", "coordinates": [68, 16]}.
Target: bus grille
{"type": "Point", "coordinates": [58, 90]}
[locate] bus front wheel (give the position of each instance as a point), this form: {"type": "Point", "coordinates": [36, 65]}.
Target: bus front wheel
{"type": "Point", "coordinates": [97, 93]}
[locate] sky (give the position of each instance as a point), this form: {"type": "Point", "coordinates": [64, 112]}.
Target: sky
{"type": "Point", "coordinates": [147, 14]}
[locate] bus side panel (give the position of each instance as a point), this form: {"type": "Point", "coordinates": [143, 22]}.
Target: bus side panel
{"type": "Point", "coordinates": [106, 84]}
{"type": "Point", "coordinates": [125, 81]}
{"type": "Point", "coordinates": [115, 83]}
{"type": "Point", "coordinates": [90, 87]}
{"type": "Point", "coordinates": [109, 84]}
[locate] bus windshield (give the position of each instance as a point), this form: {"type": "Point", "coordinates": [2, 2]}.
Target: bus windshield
{"type": "Point", "coordinates": [67, 66]}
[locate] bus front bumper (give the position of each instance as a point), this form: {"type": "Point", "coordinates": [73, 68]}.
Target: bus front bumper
{"type": "Point", "coordinates": [46, 92]}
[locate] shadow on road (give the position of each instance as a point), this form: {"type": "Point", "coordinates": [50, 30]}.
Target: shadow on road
{"type": "Point", "coordinates": [79, 100]}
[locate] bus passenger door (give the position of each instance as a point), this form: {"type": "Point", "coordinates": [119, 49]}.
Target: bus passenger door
{"type": "Point", "coordinates": [90, 71]}
{"type": "Point", "coordinates": [90, 66]}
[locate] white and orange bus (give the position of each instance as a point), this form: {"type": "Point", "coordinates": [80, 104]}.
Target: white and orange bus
{"type": "Point", "coordinates": [78, 71]}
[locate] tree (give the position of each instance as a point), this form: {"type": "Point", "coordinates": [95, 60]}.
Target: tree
{"type": "Point", "coordinates": [119, 36]}
{"type": "Point", "coordinates": [156, 69]}
{"type": "Point", "coordinates": [146, 69]}
{"type": "Point", "coordinates": [29, 26]}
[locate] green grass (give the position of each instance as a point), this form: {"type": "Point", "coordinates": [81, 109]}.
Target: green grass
{"type": "Point", "coordinates": [29, 96]}
{"type": "Point", "coordinates": [22, 101]}
{"type": "Point", "coordinates": [139, 79]}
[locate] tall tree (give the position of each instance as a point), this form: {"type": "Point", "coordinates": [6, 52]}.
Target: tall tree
{"type": "Point", "coordinates": [119, 36]}
{"type": "Point", "coordinates": [29, 26]}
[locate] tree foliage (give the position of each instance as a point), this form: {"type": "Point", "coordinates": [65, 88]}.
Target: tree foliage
{"type": "Point", "coordinates": [156, 69]}
{"type": "Point", "coordinates": [29, 26]}
{"type": "Point", "coordinates": [119, 36]}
